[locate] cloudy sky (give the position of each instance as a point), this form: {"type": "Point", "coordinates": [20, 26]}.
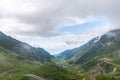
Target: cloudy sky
{"type": "Point", "coordinates": [56, 25]}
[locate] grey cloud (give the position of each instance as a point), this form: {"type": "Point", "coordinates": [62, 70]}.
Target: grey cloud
{"type": "Point", "coordinates": [48, 21]}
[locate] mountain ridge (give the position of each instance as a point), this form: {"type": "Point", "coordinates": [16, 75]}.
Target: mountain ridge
{"type": "Point", "coordinates": [66, 54]}
{"type": "Point", "coordinates": [23, 49]}
{"type": "Point", "coordinates": [97, 50]}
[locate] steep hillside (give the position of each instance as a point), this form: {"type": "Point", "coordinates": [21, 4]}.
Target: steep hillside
{"type": "Point", "coordinates": [107, 45]}
{"type": "Point", "coordinates": [47, 56]}
{"type": "Point", "coordinates": [23, 49]}
{"type": "Point", "coordinates": [66, 54]}
{"type": "Point", "coordinates": [99, 56]}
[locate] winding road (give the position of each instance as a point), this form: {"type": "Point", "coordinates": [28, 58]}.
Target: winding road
{"type": "Point", "coordinates": [34, 76]}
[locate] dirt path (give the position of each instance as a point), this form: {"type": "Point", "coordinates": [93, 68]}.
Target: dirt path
{"type": "Point", "coordinates": [112, 64]}
{"type": "Point", "coordinates": [93, 77]}
{"type": "Point", "coordinates": [34, 76]}
{"type": "Point", "coordinates": [102, 70]}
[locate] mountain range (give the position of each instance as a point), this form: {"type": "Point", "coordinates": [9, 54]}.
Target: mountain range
{"type": "Point", "coordinates": [98, 59]}
{"type": "Point", "coordinates": [99, 56]}
{"type": "Point", "coordinates": [21, 61]}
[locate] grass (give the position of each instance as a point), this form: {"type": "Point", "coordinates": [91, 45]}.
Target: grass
{"type": "Point", "coordinates": [13, 67]}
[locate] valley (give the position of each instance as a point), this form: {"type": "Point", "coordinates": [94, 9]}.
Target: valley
{"type": "Point", "coordinates": [59, 40]}
{"type": "Point", "coordinates": [98, 59]}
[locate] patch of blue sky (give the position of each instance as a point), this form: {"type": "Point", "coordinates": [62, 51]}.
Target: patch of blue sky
{"type": "Point", "coordinates": [83, 27]}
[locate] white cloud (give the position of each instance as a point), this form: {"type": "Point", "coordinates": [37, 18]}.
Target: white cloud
{"type": "Point", "coordinates": [13, 25]}
{"type": "Point", "coordinates": [17, 7]}
{"type": "Point", "coordinates": [47, 16]}
{"type": "Point", "coordinates": [71, 21]}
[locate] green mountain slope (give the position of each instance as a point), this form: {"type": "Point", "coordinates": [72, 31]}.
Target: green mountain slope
{"type": "Point", "coordinates": [23, 49]}
{"type": "Point", "coordinates": [100, 56]}
{"type": "Point", "coordinates": [15, 67]}
{"type": "Point", "coordinates": [66, 54]}
{"type": "Point", "coordinates": [108, 45]}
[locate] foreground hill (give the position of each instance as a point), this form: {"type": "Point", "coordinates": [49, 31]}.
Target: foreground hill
{"type": "Point", "coordinates": [14, 67]}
